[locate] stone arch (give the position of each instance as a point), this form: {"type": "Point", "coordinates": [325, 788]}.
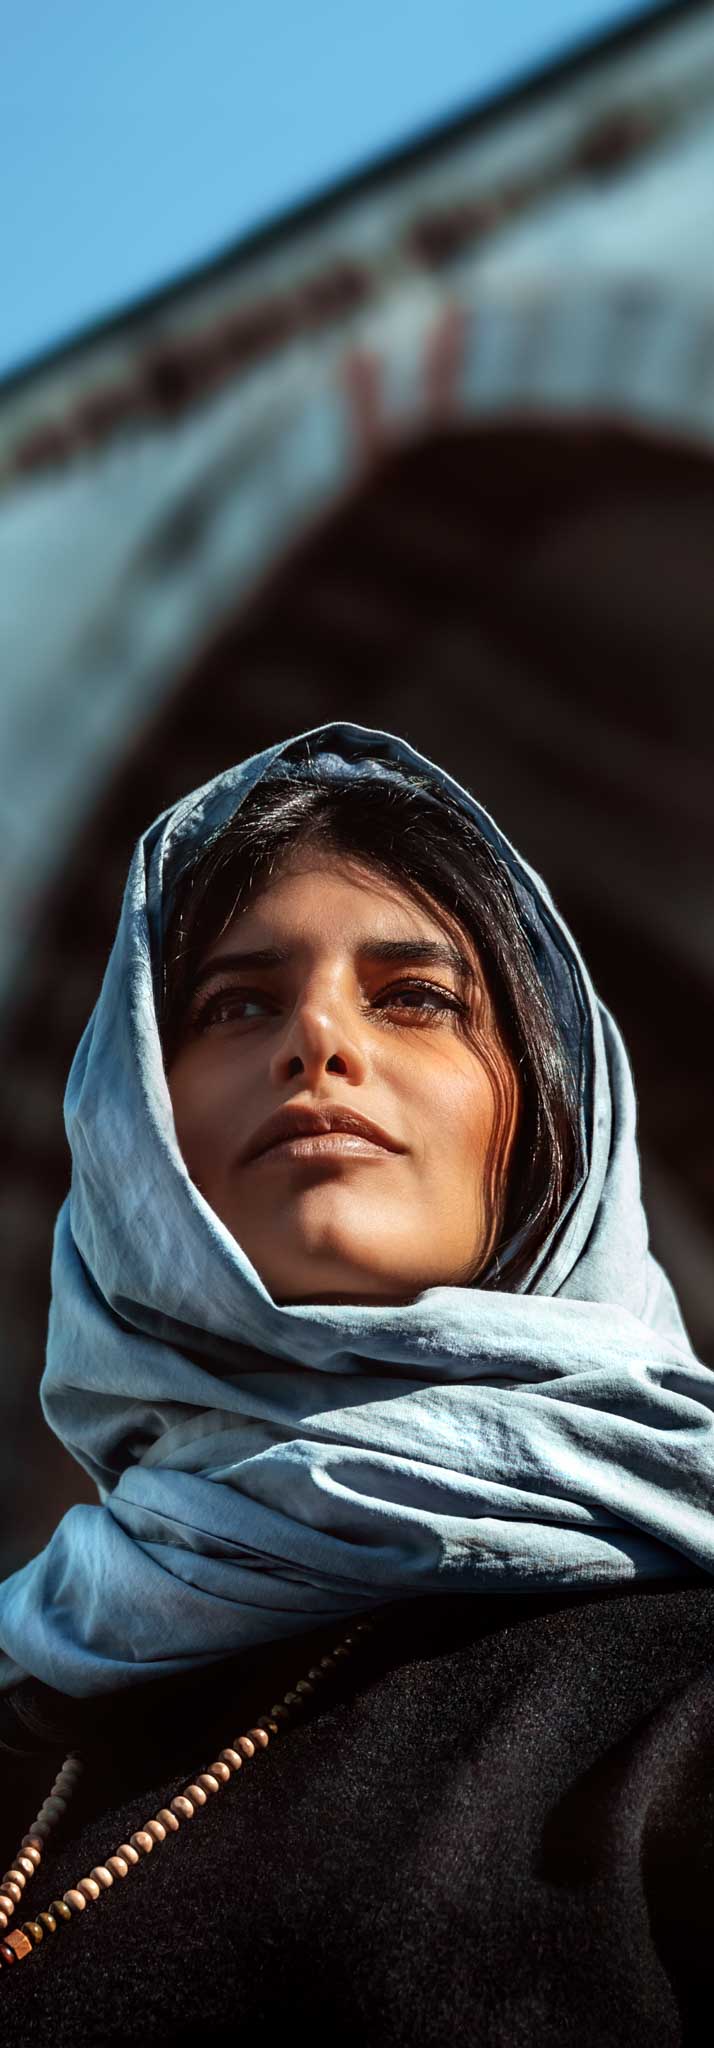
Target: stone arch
{"type": "Point", "coordinates": [150, 536]}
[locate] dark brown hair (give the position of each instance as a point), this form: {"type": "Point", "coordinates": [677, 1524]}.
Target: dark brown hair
{"type": "Point", "coordinates": [408, 828]}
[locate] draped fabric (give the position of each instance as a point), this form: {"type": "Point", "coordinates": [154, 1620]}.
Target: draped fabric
{"type": "Point", "coordinates": [263, 1469]}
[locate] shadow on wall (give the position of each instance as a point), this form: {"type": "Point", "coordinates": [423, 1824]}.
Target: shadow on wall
{"type": "Point", "coordinates": [531, 606]}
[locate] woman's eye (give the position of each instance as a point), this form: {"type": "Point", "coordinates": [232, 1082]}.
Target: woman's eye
{"type": "Point", "coordinates": [224, 1005]}
{"type": "Point", "coordinates": [427, 996]}
{"type": "Point", "coordinates": [413, 997]}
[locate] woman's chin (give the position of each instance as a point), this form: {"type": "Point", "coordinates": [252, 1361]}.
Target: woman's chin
{"type": "Point", "coordinates": [322, 1281]}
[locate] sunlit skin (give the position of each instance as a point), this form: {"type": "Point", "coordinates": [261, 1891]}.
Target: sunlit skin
{"type": "Point", "coordinates": [335, 1025]}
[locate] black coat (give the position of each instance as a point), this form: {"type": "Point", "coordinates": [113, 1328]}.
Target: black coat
{"type": "Point", "coordinates": [493, 1825]}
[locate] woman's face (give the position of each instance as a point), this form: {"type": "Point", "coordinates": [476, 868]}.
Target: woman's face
{"type": "Point", "coordinates": [361, 1013]}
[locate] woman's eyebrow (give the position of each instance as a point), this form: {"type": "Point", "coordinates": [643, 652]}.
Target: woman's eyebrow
{"type": "Point", "coordinates": [402, 952]}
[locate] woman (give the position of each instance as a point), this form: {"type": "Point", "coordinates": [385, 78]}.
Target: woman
{"type": "Point", "coordinates": [353, 1320]}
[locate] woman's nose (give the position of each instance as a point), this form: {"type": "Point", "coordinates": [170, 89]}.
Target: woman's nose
{"type": "Point", "coordinates": [319, 1038]}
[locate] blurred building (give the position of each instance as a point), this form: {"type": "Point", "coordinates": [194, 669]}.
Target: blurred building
{"type": "Point", "coordinates": [434, 455]}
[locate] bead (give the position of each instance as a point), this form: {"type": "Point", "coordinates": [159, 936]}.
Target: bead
{"type": "Point", "coordinates": [129, 1853]}
{"type": "Point", "coordinates": [53, 1809]}
{"type": "Point", "coordinates": [7, 1904]}
{"type": "Point", "coordinates": [182, 1807]}
{"type": "Point", "coordinates": [118, 1866]}
{"type": "Point", "coordinates": [75, 1899]}
{"type": "Point", "coordinates": [35, 1931]}
{"type": "Point", "coordinates": [31, 1850]}
{"type": "Point", "coordinates": [7, 1953]}
{"type": "Point", "coordinates": [61, 1909]}
{"type": "Point", "coordinates": [14, 1890]}
{"type": "Point", "coordinates": [102, 1876]}
{"type": "Point", "coordinates": [260, 1736]}
{"type": "Point", "coordinates": [167, 1818]}
{"type": "Point", "coordinates": [40, 1831]}
{"type": "Point", "coordinates": [315, 1673]}
{"type": "Point", "coordinates": [47, 1920]}
{"type": "Point", "coordinates": [15, 1876]}
{"type": "Point", "coordinates": [4, 1920]}
{"type": "Point", "coordinates": [340, 1651]}
{"type": "Point", "coordinates": [304, 1686]}
{"type": "Point", "coordinates": [143, 1841]}
{"type": "Point", "coordinates": [23, 1863]}
{"type": "Point", "coordinates": [292, 1699]}
{"type": "Point", "coordinates": [89, 1886]}
{"type": "Point", "coordinates": [19, 1943]}
{"type": "Point", "coordinates": [220, 1771]}
{"type": "Point", "coordinates": [156, 1829]}
{"type": "Point", "coordinates": [269, 1727]}
{"type": "Point", "coordinates": [328, 1663]}
{"type": "Point", "coordinates": [230, 1756]}
{"type": "Point", "coordinates": [196, 1794]}
{"type": "Point", "coordinates": [279, 1713]}
{"type": "Point", "coordinates": [244, 1744]}
{"type": "Point", "coordinates": [208, 1783]}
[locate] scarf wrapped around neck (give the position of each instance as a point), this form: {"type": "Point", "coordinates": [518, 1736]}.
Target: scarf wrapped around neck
{"type": "Point", "coordinates": [263, 1470]}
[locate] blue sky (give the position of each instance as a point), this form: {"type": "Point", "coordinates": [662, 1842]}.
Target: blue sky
{"type": "Point", "coordinates": [140, 137]}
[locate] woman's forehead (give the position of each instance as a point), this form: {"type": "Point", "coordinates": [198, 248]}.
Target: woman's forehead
{"type": "Point", "coordinates": [314, 890]}
{"type": "Point", "coordinates": [322, 876]}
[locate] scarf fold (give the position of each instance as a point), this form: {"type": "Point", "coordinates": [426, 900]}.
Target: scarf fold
{"type": "Point", "coordinates": [264, 1469]}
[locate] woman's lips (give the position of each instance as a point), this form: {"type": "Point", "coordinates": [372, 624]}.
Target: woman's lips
{"type": "Point", "coordinates": [322, 1145]}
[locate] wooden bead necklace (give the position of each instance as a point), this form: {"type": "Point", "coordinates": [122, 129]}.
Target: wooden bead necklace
{"type": "Point", "coordinates": [21, 1941]}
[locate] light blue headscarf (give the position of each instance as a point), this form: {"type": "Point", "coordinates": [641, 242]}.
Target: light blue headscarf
{"type": "Point", "coordinates": [263, 1470]}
